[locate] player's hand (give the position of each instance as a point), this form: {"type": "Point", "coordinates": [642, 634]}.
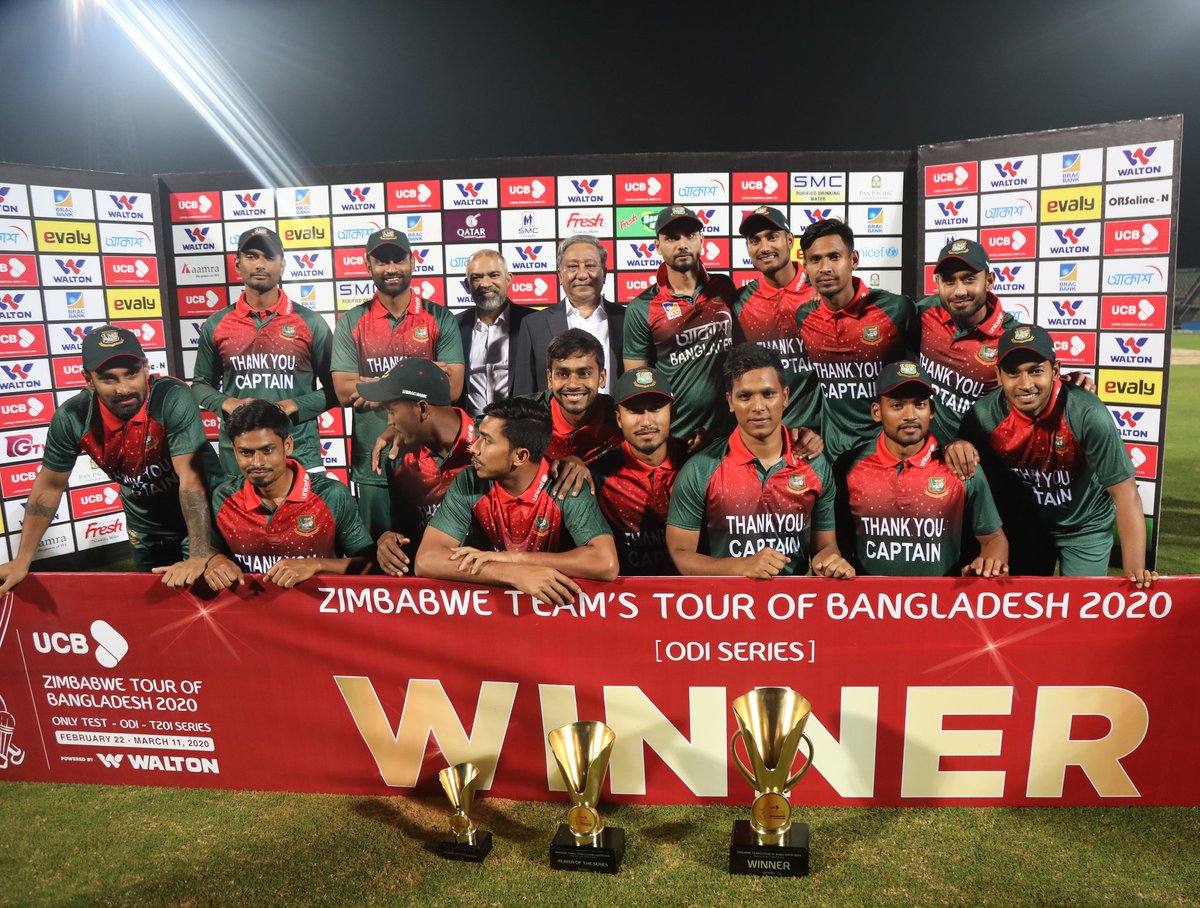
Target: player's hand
{"type": "Point", "coordinates": [1141, 579]}
{"type": "Point", "coordinates": [390, 555]}
{"type": "Point", "coordinates": [1082, 379]}
{"type": "Point", "coordinates": [986, 567]}
{"type": "Point", "coordinates": [222, 573]}
{"type": "Point", "coordinates": [698, 440]}
{"type": "Point", "coordinates": [389, 439]}
{"type": "Point", "coordinates": [472, 560]}
{"type": "Point", "coordinates": [767, 563]}
{"type": "Point", "coordinates": [183, 573]}
{"type": "Point", "coordinates": [287, 572]}
{"type": "Point", "coordinates": [572, 475]}
{"type": "Point", "coordinates": [229, 404]}
{"type": "Point", "coordinates": [807, 442]}
{"type": "Point", "coordinates": [830, 563]}
{"type": "Point", "coordinates": [360, 403]}
{"type": "Point", "coordinates": [289, 407]}
{"type": "Point", "coordinates": [545, 583]}
{"type": "Point", "coordinates": [962, 458]}
{"type": "Point", "coordinates": [12, 574]}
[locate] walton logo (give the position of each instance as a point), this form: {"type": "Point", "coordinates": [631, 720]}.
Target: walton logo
{"type": "Point", "coordinates": [706, 215]}
{"type": "Point", "coordinates": [419, 255]}
{"type": "Point", "coordinates": [17, 371]}
{"type": "Point", "coordinates": [950, 209]}
{"type": "Point", "coordinates": [817, 214]}
{"type": "Point", "coordinates": [1067, 308]}
{"type": "Point", "coordinates": [358, 193]}
{"type": "Point", "coordinates": [1140, 155]}
{"type": "Point", "coordinates": [1132, 344]}
{"type": "Point", "coordinates": [469, 190]}
{"type": "Point", "coordinates": [70, 266]}
{"type": "Point", "coordinates": [196, 234]}
{"type": "Point", "coordinates": [1008, 273]}
{"type": "Point", "coordinates": [643, 250]}
{"type": "Point", "coordinates": [308, 261]}
{"type": "Point", "coordinates": [125, 202]}
{"type": "Point", "coordinates": [587, 187]}
{"type": "Point", "coordinates": [249, 199]}
{"type": "Point", "coordinates": [78, 333]}
{"type": "Point", "coordinates": [1009, 168]}
{"type": "Point", "coordinates": [12, 300]}
{"type": "Point", "coordinates": [1128, 419]}
{"type": "Point", "coordinates": [529, 253]}
{"type": "Point", "coordinates": [1072, 236]}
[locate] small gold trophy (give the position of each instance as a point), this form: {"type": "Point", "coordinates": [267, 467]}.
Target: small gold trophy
{"type": "Point", "coordinates": [771, 724]}
{"type": "Point", "coordinates": [581, 750]}
{"type": "Point", "coordinates": [464, 841]}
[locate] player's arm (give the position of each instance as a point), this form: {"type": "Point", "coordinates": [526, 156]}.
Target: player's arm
{"type": "Point", "coordinates": [207, 376]}
{"type": "Point", "coordinates": [40, 507]}
{"type": "Point", "coordinates": [636, 345]}
{"type": "Point", "coordinates": [594, 560]}
{"type": "Point", "coordinates": [449, 353]}
{"type": "Point", "coordinates": [682, 546]}
{"type": "Point", "coordinates": [193, 502]}
{"type": "Point", "coordinates": [827, 560]}
{"type": "Point", "coordinates": [1131, 527]}
{"type": "Point", "coordinates": [287, 572]}
{"type": "Point", "coordinates": [992, 560]}
{"type": "Point", "coordinates": [313, 403]}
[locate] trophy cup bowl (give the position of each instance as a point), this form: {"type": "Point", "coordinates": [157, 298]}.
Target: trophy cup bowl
{"type": "Point", "coordinates": [581, 750]}
{"type": "Point", "coordinates": [464, 841]}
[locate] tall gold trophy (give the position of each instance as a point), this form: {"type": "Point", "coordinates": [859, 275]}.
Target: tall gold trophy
{"type": "Point", "coordinates": [581, 750]}
{"type": "Point", "coordinates": [464, 841]}
{"type": "Point", "coordinates": [771, 724]}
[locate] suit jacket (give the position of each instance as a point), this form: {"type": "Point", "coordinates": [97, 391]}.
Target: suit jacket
{"type": "Point", "coordinates": [529, 357]}
{"type": "Point", "coordinates": [466, 327]}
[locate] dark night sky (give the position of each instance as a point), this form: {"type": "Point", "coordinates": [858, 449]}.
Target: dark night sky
{"type": "Point", "coordinates": [359, 81]}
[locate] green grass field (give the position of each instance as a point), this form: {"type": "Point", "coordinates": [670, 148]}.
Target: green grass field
{"type": "Point", "coordinates": [100, 845]}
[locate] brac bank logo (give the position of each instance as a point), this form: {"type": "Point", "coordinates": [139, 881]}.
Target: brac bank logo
{"type": "Point", "coordinates": [110, 646]}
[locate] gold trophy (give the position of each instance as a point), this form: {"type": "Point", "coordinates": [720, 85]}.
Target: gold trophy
{"type": "Point", "coordinates": [581, 750]}
{"type": "Point", "coordinates": [771, 724]}
{"type": "Point", "coordinates": [464, 841]}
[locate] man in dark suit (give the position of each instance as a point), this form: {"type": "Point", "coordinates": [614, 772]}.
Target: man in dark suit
{"type": "Point", "coordinates": [582, 267]}
{"type": "Point", "coordinates": [489, 332]}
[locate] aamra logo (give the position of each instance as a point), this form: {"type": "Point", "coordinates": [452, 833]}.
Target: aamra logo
{"type": "Point", "coordinates": [587, 187]}
{"type": "Point", "coordinates": [1009, 168]}
{"type": "Point", "coordinates": [308, 261]}
{"type": "Point", "coordinates": [248, 199]}
{"type": "Point", "coordinates": [1067, 308]}
{"type": "Point", "coordinates": [124, 202]}
{"type": "Point", "coordinates": [1140, 155]}
{"type": "Point", "coordinates": [643, 250]}
{"type": "Point", "coordinates": [1128, 419]}
{"type": "Point", "coordinates": [17, 371]}
{"type": "Point", "coordinates": [529, 253]}
{"type": "Point", "coordinates": [1131, 344]}
{"type": "Point", "coordinates": [1072, 236]}
{"type": "Point", "coordinates": [1008, 273]}
{"type": "Point", "coordinates": [70, 266]}
{"type": "Point", "coordinates": [469, 190]}
{"type": "Point", "coordinates": [358, 193]}
{"type": "Point", "coordinates": [196, 234]}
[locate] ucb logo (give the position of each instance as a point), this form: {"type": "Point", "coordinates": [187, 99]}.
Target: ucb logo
{"type": "Point", "coordinates": [111, 647]}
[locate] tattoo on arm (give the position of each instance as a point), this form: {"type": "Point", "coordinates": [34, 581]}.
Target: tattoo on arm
{"type": "Point", "coordinates": [194, 504]}
{"type": "Point", "coordinates": [37, 509]}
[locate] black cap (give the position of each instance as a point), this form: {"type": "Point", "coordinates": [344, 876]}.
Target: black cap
{"type": "Point", "coordinates": [896, 375]}
{"type": "Point", "coordinates": [962, 253]}
{"type": "Point", "coordinates": [264, 238]}
{"type": "Point", "coordinates": [108, 342]}
{"type": "Point", "coordinates": [642, 381]}
{"type": "Point", "coordinates": [673, 213]}
{"type": "Point", "coordinates": [1026, 337]}
{"type": "Point", "coordinates": [764, 217]}
{"type": "Point", "coordinates": [389, 237]}
{"type": "Point", "coordinates": [409, 379]}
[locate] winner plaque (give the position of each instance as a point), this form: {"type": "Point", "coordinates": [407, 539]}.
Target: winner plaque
{"type": "Point", "coordinates": [464, 841]}
{"type": "Point", "coordinates": [771, 724]}
{"type": "Point", "coordinates": [581, 750]}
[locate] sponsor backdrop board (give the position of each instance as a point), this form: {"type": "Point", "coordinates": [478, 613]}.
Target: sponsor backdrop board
{"type": "Point", "coordinates": [1024, 691]}
{"type": "Point", "coordinates": [77, 249]}
{"type": "Point", "coordinates": [1080, 227]}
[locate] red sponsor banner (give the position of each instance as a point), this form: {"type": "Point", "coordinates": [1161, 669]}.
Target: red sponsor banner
{"type": "Point", "coordinates": [1075, 348]}
{"type": "Point", "coordinates": [200, 302]}
{"type": "Point", "coordinates": [1149, 236]}
{"type": "Point", "coordinates": [930, 281]}
{"type": "Point", "coordinates": [212, 425]}
{"type": "Point", "coordinates": [195, 206]}
{"type": "Point", "coordinates": [22, 340]}
{"type": "Point", "coordinates": [95, 500]}
{"type": "Point", "coordinates": [68, 371]}
{"type": "Point", "coordinates": [131, 270]}
{"type": "Point", "coordinates": [952, 179]}
{"type": "Point", "coordinates": [32, 409]}
{"type": "Point", "coordinates": [351, 262]}
{"type": "Point", "coordinates": [1144, 459]}
{"type": "Point", "coordinates": [1024, 691]}
{"type": "Point", "coordinates": [640, 188]}
{"type": "Point", "coordinates": [1009, 242]}
{"type": "Point", "coordinates": [714, 253]}
{"type": "Point", "coordinates": [148, 331]}
{"type": "Point", "coordinates": [18, 270]}
{"type": "Point", "coordinates": [341, 474]}
{"type": "Point", "coordinates": [534, 289]}
{"type": "Point", "coordinates": [632, 283]}
{"type": "Point", "coordinates": [16, 480]}
{"type": "Point", "coordinates": [332, 423]}
{"type": "Point", "coordinates": [414, 195]}
{"type": "Point", "coordinates": [231, 272]}
{"type": "Point", "coordinates": [764, 188]}
{"type": "Point", "coordinates": [432, 289]}
{"type": "Point", "coordinates": [1121, 312]}
{"type": "Point", "coordinates": [742, 278]}
{"type": "Point", "coordinates": [527, 192]}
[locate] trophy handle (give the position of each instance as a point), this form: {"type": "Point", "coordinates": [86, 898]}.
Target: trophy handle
{"type": "Point", "coordinates": [738, 760]}
{"type": "Point", "coordinates": [803, 769]}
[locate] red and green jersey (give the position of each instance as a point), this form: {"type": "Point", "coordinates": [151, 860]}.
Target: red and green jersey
{"type": "Point", "coordinates": [741, 508]}
{"type": "Point", "coordinates": [368, 340]}
{"type": "Point", "coordinates": [135, 453]}
{"type": "Point", "coordinates": [318, 519]}
{"type": "Point", "coordinates": [595, 436]}
{"type": "Point", "coordinates": [908, 515]}
{"type": "Point", "coordinates": [960, 364]}
{"type": "Point", "coordinates": [479, 512]}
{"type": "Point", "coordinates": [634, 498]}
{"type": "Point", "coordinates": [278, 354]}
{"type": "Point", "coordinates": [848, 349]}
{"type": "Point", "coordinates": [1052, 469]}
{"type": "Point", "coordinates": [767, 316]}
{"type": "Point", "coordinates": [420, 478]}
{"type": "Point", "coordinates": [685, 338]}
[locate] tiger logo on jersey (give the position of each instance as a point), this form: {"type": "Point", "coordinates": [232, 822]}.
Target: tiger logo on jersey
{"type": "Point", "coordinates": [796, 484]}
{"type": "Point", "coordinates": [306, 525]}
{"type": "Point", "coordinates": [937, 487]}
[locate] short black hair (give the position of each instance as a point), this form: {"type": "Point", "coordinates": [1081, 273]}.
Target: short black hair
{"type": "Point", "coordinates": [527, 424]}
{"type": "Point", "coordinates": [746, 358]}
{"type": "Point", "coordinates": [574, 342]}
{"type": "Point", "coordinates": [827, 227]}
{"type": "Point", "coordinates": [258, 414]}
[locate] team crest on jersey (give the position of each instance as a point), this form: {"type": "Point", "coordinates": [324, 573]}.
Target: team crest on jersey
{"type": "Point", "coordinates": [671, 308]}
{"type": "Point", "coordinates": [871, 334]}
{"type": "Point", "coordinates": [796, 484]}
{"type": "Point", "coordinates": [288, 331]}
{"type": "Point", "coordinates": [986, 353]}
{"type": "Point", "coordinates": [109, 338]}
{"type": "Point", "coordinates": [1022, 335]}
{"type": "Point", "coordinates": [421, 333]}
{"type": "Point", "coordinates": [541, 526]}
{"type": "Point", "coordinates": [958, 246]}
{"type": "Point", "coordinates": [1060, 441]}
{"type": "Point", "coordinates": [306, 525]}
{"type": "Point", "coordinates": [644, 378]}
{"type": "Point", "coordinates": [937, 487]}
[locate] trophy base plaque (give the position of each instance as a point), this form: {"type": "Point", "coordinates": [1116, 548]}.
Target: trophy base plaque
{"type": "Point", "coordinates": [452, 849]}
{"type": "Point", "coordinates": [603, 857]}
{"type": "Point", "coordinates": [747, 857]}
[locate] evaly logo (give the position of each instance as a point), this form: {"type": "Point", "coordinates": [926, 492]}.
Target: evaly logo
{"type": "Point", "coordinates": [111, 647]}
{"type": "Point", "coordinates": [469, 190]}
{"type": "Point", "coordinates": [529, 253]}
{"type": "Point", "coordinates": [1131, 344]}
{"type": "Point", "coordinates": [124, 202]}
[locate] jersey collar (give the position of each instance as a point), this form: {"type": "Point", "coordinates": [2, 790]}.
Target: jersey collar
{"type": "Point", "coordinates": [533, 493]}
{"type": "Point", "coordinates": [852, 309]}
{"type": "Point", "coordinates": [741, 454]}
{"type": "Point", "coordinates": [670, 462]}
{"type": "Point", "coordinates": [283, 306]}
{"type": "Point", "coordinates": [919, 460]}
{"type": "Point", "coordinates": [665, 284]}
{"type": "Point", "coordinates": [300, 491]}
{"type": "Point", "coordinates": [113, 423]}
{"type": "Point", "coordinates": [378, 310]}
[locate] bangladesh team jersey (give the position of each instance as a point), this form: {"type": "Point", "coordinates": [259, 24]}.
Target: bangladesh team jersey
{"type": "Point", "coordinates": [318, 519]}
{"type": "Point", "coordinates": [368, 340]}
{"type": "Point", "coordinates": [420, 478]}
{"type": "Point", "coordinates": [908, 515]}
{"type": "Point", "coordinates": [479, 512]}
{"type": "Point", "coordinates": [685, 338]}
{"type": "Point", "coordinates": [848, 349]}
{"type": "Point", "coordinates": [137, 453]}
{"type": "Point", "coordinates": [767, 316]}
{"type": "Point", "coordinates": [594, 437]}
{"type": "Point", "coordinates": [961, 365]}
{"type": "Point", "coordinates": [634, 498]}
{"type": "Point", "coordinates": [740, 508]}
{"type": "Point", "coordinates": [278, 354]}
{"type": "Point", "coordinates": [1053, 469]}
